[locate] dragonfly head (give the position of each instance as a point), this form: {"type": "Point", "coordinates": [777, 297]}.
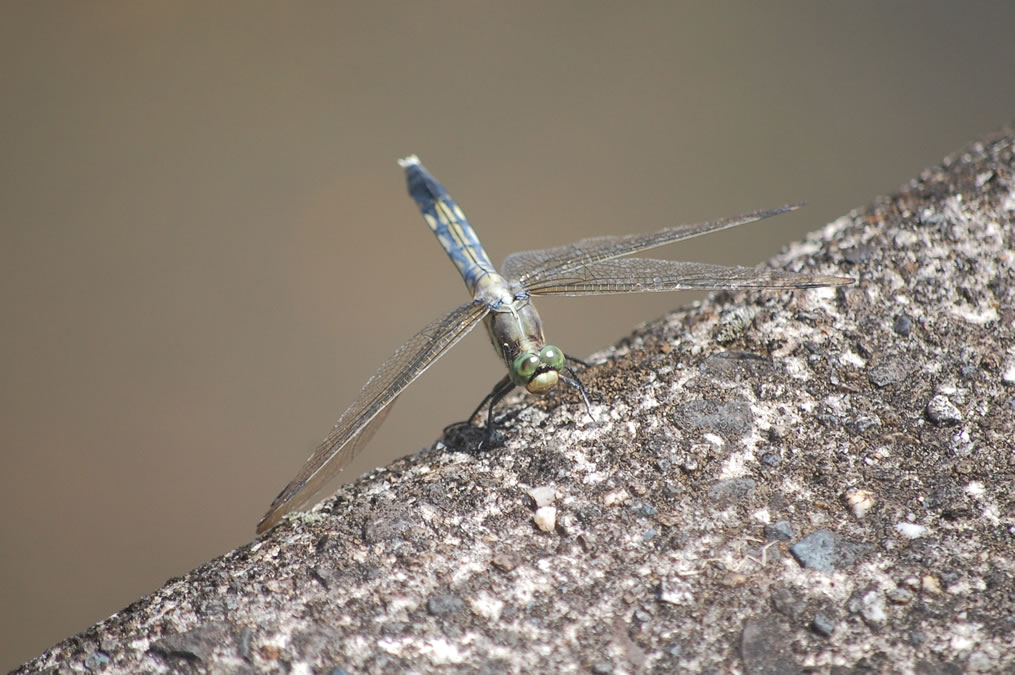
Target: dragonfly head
{"type": "Point", "coordinates": [538, 372]}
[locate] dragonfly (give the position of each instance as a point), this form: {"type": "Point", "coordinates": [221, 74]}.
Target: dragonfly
{"type": "Point", "coordinates": [503, 301]}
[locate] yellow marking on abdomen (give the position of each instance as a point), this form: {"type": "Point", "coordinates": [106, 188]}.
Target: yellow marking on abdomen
{"type": "Point", "coordinates": [457, 231]}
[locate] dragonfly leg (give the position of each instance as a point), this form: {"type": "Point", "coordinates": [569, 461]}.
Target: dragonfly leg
{"type": "Point", "coordinates": [575, 359]}
{"type": "Point", "coordinates": [576, 382]}
{"type": "Point", "coordinates": [499, 391]}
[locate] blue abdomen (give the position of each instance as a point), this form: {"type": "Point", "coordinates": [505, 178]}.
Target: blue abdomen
{"type": "Point", "coordinates": [448, 223]}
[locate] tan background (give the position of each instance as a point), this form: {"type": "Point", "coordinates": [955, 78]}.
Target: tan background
{"type": "Point", "coordinates": [207, 247]}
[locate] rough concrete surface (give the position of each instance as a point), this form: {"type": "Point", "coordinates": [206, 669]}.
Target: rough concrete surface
{"type": "Point", "coordinates": [777, 482]}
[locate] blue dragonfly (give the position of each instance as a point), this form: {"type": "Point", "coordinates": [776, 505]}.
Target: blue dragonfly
{"type": "Point", "coordinates": [594, 266]}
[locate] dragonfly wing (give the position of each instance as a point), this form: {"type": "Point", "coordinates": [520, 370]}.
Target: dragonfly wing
{"type": "Point", "coordinates": [529, 267]}
{"type": "Point", "coordinates": [643, 275]}
{"type": "Point", "coordinates": [361, 419]}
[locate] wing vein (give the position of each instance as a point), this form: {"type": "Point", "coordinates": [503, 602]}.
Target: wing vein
{"type": "Point", "coordinates": [529, 267]}
{"type": "Point", "coordinates": [356, 424]}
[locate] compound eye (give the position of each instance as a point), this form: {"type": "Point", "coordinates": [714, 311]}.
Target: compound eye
{"type": "Point", "coordinates": [552, 357]}
{"type": "Point", "coordinates": [524, 367]}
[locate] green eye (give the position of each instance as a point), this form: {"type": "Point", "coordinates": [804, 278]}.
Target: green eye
{"type": "Point", "coordinates": [551, 356]}
{"type": "Point", "coordinates": [525, 366]}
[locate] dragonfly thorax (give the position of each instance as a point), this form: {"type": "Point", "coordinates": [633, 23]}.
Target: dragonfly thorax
{"type": "Point", "coordinates": [516, 332]}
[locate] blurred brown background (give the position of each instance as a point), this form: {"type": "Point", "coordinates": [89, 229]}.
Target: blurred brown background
{"type": "Point", "coordinates": [207, 246]}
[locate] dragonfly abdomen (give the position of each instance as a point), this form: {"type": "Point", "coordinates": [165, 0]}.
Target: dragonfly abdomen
{"type": "Point", "coordinates": [448, 222]}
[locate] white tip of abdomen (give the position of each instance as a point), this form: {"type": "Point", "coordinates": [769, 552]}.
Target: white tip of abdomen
{"type": "Point", "coordinates": [408, 161]}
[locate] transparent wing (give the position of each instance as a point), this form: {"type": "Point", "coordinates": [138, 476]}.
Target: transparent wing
{"type": "Point", "coordinates": [529, 267]}
{"type": "Point", "coordinates": [363, 417]}
{"type": "Point", "coordinates": [642, 275]}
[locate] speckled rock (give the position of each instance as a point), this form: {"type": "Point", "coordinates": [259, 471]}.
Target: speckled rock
{"type": "Point", "coordinates": [900, 387]}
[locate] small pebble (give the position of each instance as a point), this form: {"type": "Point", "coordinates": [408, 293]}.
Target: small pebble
{"type": "Point", "coordinates": [872, 607]}
{"type": "Point", "coordinates": [734, 322]}
{"type": "Point", "coordinates": [731, 490]}
{"type": "Point", "coordinates": [910, 530]}
{"type": "Point", "coordinates": [780, 531]}
{"type": "Point", "coordinates": [505, 560]}
{"type": "Point", "coordinates": [862, 423]}
{"type": "Point", "coordinates": [891, 370]}
{"type": "Point", "coordinates": [1008, 374]}
{"type": "Point", "coordinates": [543, 496]}
{"type": "Point", "coordinates": [823, 624]}
{"type": "Point", "coordinates": [942, 412]}
{"type": "Point", "coordinates": [860, 502]}
{"type": "Point", "coordinates": [825, 551]}
{"type": "Point", "coordinates": [930, 584]}
{"type": "Point", "coordinates": [546, 518]}
{"type": "Point", "coordinates": [675, 592]}
{"type": "Point", "coordinates": [615, 497]}
{"type": "Point", "coordinates": [441, 605]}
